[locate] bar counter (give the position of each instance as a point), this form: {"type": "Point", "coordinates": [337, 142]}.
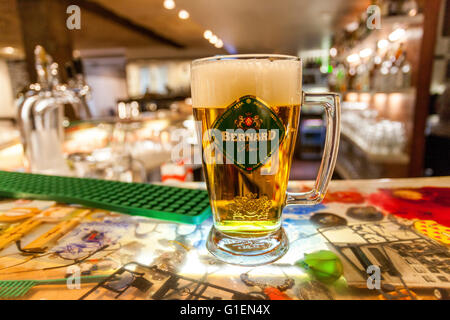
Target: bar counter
{"type": "Point", "coordinates": [400, 227]}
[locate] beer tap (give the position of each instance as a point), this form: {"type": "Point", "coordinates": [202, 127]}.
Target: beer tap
{"type": "Point", "coordinates": [41, 115]}
{"type": "Point", "coordinates": [78, 84]}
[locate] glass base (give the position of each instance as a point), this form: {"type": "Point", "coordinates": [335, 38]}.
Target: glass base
{"type": "Point", "coordinates": [247, 251]}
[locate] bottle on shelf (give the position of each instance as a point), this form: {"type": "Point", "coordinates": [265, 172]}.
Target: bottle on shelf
{"type": "Point", "coordinates": [405, 71]}
{"type": "Point", "coordinates": [395, 7]}
{"type": "Point", "coordinates": [410, 8]}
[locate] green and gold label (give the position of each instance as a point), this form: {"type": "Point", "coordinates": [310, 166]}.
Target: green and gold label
{"type": "Point", "coordinates": [250, 132]}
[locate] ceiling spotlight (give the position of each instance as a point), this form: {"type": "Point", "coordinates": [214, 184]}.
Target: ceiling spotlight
{"type": "Point", "coordinates": [353, 58]}
{"type": "Point", "coordinates": [397, 34]}
{"type": "Point", "coordinates": [377, 59]}
{"type": "Point", "coordinates": [219, 44]}
{"type": "Point", "coordinates": [169, 4]}
{"type": "Point", "coordinates": [364, 53]}
{"type": "Point", "coordinates": [412, 12]}
{"type": "Point", "coordinates": [183, 14]}
{"type": "Point", "coordinates": [352, 26]}
{"type": "Point", "coordinates": [207, 34]}
{"type": "Point", "coordinates": [8, 50]}
{"type": "Point", "coordinates": [382, 44]}
{"type": "Point", "coordinates": [333, 52]}
{"type": "Point", "coordinates": [213, 39]}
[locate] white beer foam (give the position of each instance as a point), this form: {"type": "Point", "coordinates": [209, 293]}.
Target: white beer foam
{"type": "Point", "coordinates": [219, 83]}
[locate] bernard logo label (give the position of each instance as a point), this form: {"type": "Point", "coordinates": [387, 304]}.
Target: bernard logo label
{"type": "Point", "coordinates": [248, 133]}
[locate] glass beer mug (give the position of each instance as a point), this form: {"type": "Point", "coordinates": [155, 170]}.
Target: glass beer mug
{"type": "Point", "coordinates": [247, 110]}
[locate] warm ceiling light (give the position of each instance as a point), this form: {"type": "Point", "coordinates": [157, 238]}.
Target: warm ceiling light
{"type": "Point", "coordinates": [377, 59]}
{"type": "Point", "coordinates": [207, 34]}
{"type": "Point", "coordinates": [382, 44]}
{"type": "Point", "coordinates": [364, 53]}
{"type": "Point", "coordinates": [219, 44]}
{"type": "Point", "coordinates": [412, 12]}
{"type": "Point", "coordinates": [169, 4]}
{"type": "Point", "coordinates": [333, 52]}
{"type": "Point", "coordinates": [213, 39]}
{"type": "Point", "coordinates": [352, 26]}
{"type": "Point", "coordinates": [353, 58]}
{"type": "Point", "coordinates": [397, 34]}
{"type": "Point", "coordinates": [183, 14]}
{"type": "Point", "coordinates": [8, 50]}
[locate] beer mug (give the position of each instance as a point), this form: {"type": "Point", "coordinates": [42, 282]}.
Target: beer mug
{"type": "Point", "coordinates": [247, 110]}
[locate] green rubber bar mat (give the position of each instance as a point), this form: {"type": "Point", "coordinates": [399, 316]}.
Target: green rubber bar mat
{"type": "Point", "coordinates": [149, 200]}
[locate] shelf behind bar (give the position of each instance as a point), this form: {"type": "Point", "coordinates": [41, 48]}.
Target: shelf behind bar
{"type": "Point", "coordinates": [409, 90]}
{"type": "Point", "coordinates": [401, 158]}
{"type": "Point", "coordinates": [388, 24]}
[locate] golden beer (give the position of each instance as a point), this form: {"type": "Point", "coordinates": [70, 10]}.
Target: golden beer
{"type": "Point", "coordinates": [247, 110]}
{"type": "Point", "coordinates": [249, 204]}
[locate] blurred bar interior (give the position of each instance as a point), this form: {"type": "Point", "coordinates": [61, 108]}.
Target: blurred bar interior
{"type": "Point", "coordinates": [101, 88]}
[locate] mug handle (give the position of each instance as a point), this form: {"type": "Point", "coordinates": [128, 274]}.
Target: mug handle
{"type": "Point", "coordinates": [333, 114]}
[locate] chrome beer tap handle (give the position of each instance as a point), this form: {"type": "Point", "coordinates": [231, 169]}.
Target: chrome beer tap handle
{"type": "Point", "coordinates": [41, 115]}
